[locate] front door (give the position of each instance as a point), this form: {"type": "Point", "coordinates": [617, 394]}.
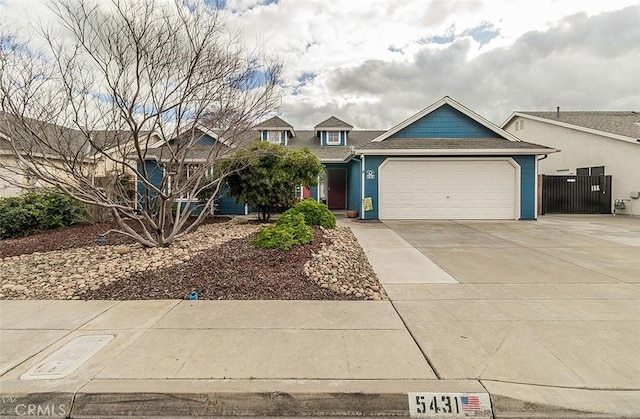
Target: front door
{"type": "Point", "coordinates": [337, 188]}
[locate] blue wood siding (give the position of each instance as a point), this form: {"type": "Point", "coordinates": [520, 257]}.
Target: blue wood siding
{"type": "Point", "coordinates": [206, 140]}
{"type": "Point", "coordinates": [354, 185]}
{"type": "Point", "coordinates": [527, 186]}
{"type": "Point", "coordinates": [371, 185]}
{"type": "Point", "coordinates": [154, 171]}
{"type": "Point", "coordinates": [227, 205]}
{"type": "Point", "coordinates": [445, 122]}
{"type": "Point", "coordinates": [314, 193]}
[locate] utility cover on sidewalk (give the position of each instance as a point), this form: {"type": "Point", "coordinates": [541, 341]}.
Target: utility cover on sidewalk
{"type": "Point", "coordinates": [67, 359]}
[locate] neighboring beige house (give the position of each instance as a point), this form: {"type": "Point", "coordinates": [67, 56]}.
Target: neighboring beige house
{"type": "Point", "coordinates": [591, 143]}
{"type": "Point", "coordinates": [15, 178]}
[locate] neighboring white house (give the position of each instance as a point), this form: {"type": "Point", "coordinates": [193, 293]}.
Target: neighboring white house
{"type": "Point", "coordinates": [591, 143]}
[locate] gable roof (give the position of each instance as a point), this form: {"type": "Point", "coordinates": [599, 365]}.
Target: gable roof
{"type": "Point", "coordinates": [188, 142]}
{"type": "Point", "coordinates": [620, 125]}
{"type": "Point", "coordinates": [275, 122]}
{"type": "Point", "coordinates": [53, 138]}
{"type": "Point", "coordinates": [333, 122]}
{"type": "Point", "coordinates": [457, 106]}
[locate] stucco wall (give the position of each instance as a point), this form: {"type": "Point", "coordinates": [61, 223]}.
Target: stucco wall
{"type": "Point", "coordinates": [621, 159]}
{"type": "Point", "coordinates": [6, 188]}
{"type": "Point", "coordinates": [20, 183]}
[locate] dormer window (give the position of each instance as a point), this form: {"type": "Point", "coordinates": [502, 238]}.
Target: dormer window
{"type": "Point", "coordinates": [276, 131]}
{"type": "Point", "coordinates": [333, 137]}
{"type": "Point", "coordinates": [333, 132]}
{"type": "Point", "coordinates": [274, 137]}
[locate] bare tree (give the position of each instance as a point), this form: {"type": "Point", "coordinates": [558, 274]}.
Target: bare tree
{"type": "Point", "coordinates": [122, 82]}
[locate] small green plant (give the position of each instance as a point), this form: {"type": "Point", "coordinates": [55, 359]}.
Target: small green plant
{"type": "Point", "coordinates": [290, 230]}
{"type": "Point", "coordinates": [33, 211]}
{"type": "Point", "coordinates": [315, 213]}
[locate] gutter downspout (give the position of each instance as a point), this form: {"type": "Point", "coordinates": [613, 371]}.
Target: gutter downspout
{"type": "Point", "coordinates": [362, 188]}
{"type": "Point", "coordinates": [537, 194]}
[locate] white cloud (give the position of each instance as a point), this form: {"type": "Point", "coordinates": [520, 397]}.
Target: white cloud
{"type": "Point", "coordinates": [375, 62]}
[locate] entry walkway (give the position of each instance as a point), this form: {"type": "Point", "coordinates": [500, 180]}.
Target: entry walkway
{"type": "Point", "coordinates": [393, 259]}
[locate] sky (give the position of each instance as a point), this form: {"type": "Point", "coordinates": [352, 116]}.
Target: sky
{"type": "Point", "coordinates": [374, 63]}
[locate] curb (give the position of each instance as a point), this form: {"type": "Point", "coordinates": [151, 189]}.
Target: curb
{"type": "Point", "coordinates": [98, 404]}
{"type": "Point", "coordinates": [45, 404]}
{"type": "Point", "coordinates": [216, 398]}
{"type": "Point", "coordinates": [240, 404]}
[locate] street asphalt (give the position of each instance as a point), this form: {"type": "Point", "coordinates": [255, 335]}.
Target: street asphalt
{"type": "Point", "coordinates": [542, 316]}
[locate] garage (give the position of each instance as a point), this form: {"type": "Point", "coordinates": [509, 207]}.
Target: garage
{"type": "Point", "coordinates": [442, 188]}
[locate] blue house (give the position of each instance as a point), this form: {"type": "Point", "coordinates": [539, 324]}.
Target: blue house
{"type": "Point", "coordinates": [445, 162]}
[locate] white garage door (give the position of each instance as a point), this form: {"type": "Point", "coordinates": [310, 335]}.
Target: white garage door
{"type": "Point", "coordinates": [447, 189]}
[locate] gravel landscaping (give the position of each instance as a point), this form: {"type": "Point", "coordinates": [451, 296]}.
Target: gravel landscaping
{"type": "Point", "coordinates": [217, 261]}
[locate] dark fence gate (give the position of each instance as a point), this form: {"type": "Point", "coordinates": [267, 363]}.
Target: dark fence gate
{"type": "Point", "coordinates": [576, 194]}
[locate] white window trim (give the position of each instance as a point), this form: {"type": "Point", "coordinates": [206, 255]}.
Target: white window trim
{"type": "Point", "coordinates": [188, 167]}
{"type": "Point", "coordinates": [333, 142]}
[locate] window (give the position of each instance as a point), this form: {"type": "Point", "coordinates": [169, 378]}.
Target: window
{"type": "Point", "coordinates": [590, 171]}
{"type": "Point", "coordinates": [582, 171]}
{"type": "Point", "coordinates": [178, 179]}
{"type": "Point", "coordinates": [333, 137]}
{"type": "Point", "coordinates": [519, 125]}
{"type": "Point", "coordinates": [274, 137]}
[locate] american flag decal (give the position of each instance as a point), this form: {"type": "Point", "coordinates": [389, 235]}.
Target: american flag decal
{"type": "Point", "coordinates": [470, 403]}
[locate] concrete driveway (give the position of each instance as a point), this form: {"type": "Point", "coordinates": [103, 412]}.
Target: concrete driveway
{"type": "Point", "coordinates": [545, 305]}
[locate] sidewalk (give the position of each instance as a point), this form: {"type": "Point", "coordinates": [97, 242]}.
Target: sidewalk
{"type": "Point", "coordinates": [216, 357]}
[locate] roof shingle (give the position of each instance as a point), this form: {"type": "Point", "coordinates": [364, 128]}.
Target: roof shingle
{"type": "Point", "coordinates": [625, 123]}
{"type": "Point", "coordinates": [450, 144]}
{"type": "Point", "coordinates": [274, 122]}
{"type": "Point", "coordinates": [333, 122]}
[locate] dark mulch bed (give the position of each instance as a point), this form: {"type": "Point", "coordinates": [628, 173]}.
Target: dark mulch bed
{"type": "Point", "coordinates": [236, 270]}
{"type": "Point", "coordinates": [79, 235]}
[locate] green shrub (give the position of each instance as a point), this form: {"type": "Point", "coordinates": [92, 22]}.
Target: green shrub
{"type": "Point", "coordinates": [22, 215]}
{"type": "Point", "coordinates": [315, 213]}
{"type": "Point", "coordinates": [289, 231]}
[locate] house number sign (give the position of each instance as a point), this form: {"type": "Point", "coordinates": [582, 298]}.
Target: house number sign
{"type": "Point", "coordinates": [371, 174]}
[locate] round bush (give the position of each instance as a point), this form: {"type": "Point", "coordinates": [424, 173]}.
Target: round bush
{"type": "Point", "coordinates": [315, 213]}
{"type": "Point", "coordinates": [33, 211]}
{"type": "Point", "coordinates": [289, 231]}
